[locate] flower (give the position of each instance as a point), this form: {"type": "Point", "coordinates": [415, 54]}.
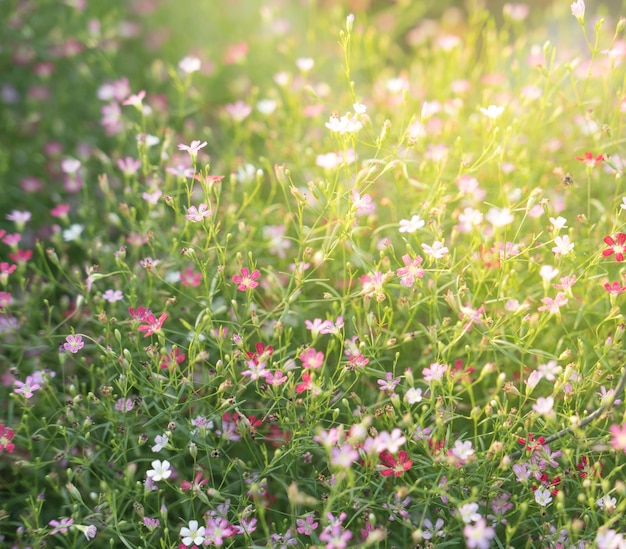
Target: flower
{"type": "Point", "coordinates": [160, 470]}
{"type": "Point", "coordinates": [26, 388]}
{"type": "Point", "coordinates": [563, 246]}
{"type": "Point", "coordinates": [189, 64]}
{"type": "Point", "coordinates": [395, 467]}
{"type": "Point", "coordinates": [312, 358]}
{"type": "Point", "coordinates": [6, 436]}
{"type": "Point", "coordinates": [60, 526]}
{"type": "Point", "coordinates": [492, 111]}
{"type": "Point", "coordinates": [434, 372]}
{"type": "Point", "coordinates": [614, 247]}
{"type": "Point", "coordinates": [615, 288]}
{"type": "Point", "coordinates": [160, 442]}
{"type": "Point", "coordinates": [192, 148]}
{"type": "Point", "coordinates": [619, 437]}
{"type": "Point", "coordinates": [246, 279]}
{"type": "Point", "coordinates": [543, 497]}
{"type": "Point", "coordinates": [152, 324]}
{"type": "Point", "coordinates": [469, 513]}
{"type": "Point", "coordinates": [589, 159]}
{"type": "Point", "coordinates": [437, 250]}
{"type": "Point", "coordinates": [553, 305]}
{"type": "Point", "coordinates": [197, 214]}
{"type": "Point", "coordinates": [413, 396]}
{"type": "Point", "coordinates": [607, 503]}
{"type": "Point", "coordinates": [543, 405]}
{"type": "Point", "coordinates": [410, 271]}
{"type": "Point", "coordinates": [73, 343]}
{"type": "Point", "coordinates": [411, 225]}
{"type": "Point", "coordinates": [113, 295]}
{"type": "Point", "coordinates": [192, 534]}
{"type": "Point", "coordinates": [578, 11]}
{"type": "Point", "coordinates": [478, 535]}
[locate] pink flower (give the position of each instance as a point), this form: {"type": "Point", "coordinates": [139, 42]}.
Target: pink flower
{"type": "Point", "coordinates": [60, 526]}
{"type": "Point", "coordinates": [616, 248]}
{"type": "Point", "coordinates": [189, 277]}
{"type": "Point", "coordinates": [434, 372]}
{"type": "Point", "coordinates": [553, 305]}
{"type": "Point", "coordinates": [312, 358]}
{"type": "Point", "coordinates": [478, 535]}
{"type": "Point", "coordinates": [276, 379]}
{"type": "Point", "coordinates": [73, 343]}
{"type": "Point", "coordinates": [192, 148]}
{"type": "Point", "coordinates": [26, 388]}
{"type": "Point", "coordinates": [619, 437]}
{"type": "Point", "coordinates": [6, 436]}
{"type": "Point", "coordinates": [246, 280]}
{"type": "Point", "coordinates": [614, 289]}
{"type": "Point", "coordinates": [197, 214]}
{"type": "Point", "coordinates": [410, 271]}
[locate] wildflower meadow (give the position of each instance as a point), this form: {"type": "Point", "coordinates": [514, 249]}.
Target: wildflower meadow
{"type": "Point", "coordinates": [323, 274]}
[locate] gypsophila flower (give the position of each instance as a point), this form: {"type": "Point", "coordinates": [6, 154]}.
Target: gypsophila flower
{"type": "Point", "coordinates": [160, 442]}
{"type": "Point", "coordinates": [26, 388]}
{"type": "Point", "coordinates": [562, 246]}
{"type": "Point", "coordinates": [492, 111]}
{"type": "Point", "coordinates": [617, 247]}
{"type": "Point", "coordinates": [578, 10]}
{"type": "Point", "coordinates": [543, 405]}
{"type": "Point", "coordinates": [411, 225]}
{"type": "Point", "coordinates": [189, 64]}
{"type": "Point", "coordinates": [607, 503]}
{"type": "Point", "coordinates": [413, 396]}
{"type": "Point", "coordinates": [558, 223]}
{"type": "Point", "coordinates": [73, 343]}
{"type": "Point", "coordinates": [543, 497]}
{"type": "Point", "coordinates": [193, 534]}
{"type": "Point", "coordinates": [6, 436]}
{"type": "Point", "coordinates": [434, 372]}
{"type": "Point", "coordinates": [160, 470]}
{"type": "Point", "coordinates": [469, 513]}
{"type": "Point", "coordinates": [478, 535]}
{"type": "Point", "coordinates": [436, 251]}
{"type": "Point", "coordinates": [246, 280]}
{"type": "Point", "coordinates": [60, 526]}
{"type": "Point", "coordinates": [197, 214]}
{"type": "Point", "coordinates": [113, 295]}
{"type": "Point", "coordinates": [463, 450]}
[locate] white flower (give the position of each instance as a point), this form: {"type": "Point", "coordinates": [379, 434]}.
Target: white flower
{"type": "Point", "coordinates": [492, 111]}
{"type": "Point", "coordinates": [543, 497]}
{"type": "Point", "coordinates": [559, 222]}
{"type": "Point", "coordinates": [607, 503]}
{"type": "Point", "coordinates": [548, 272]}
{"type": "Point", "coordinates": [578, 10]}
{"type": "Point", "coordinates": [305, 64]}
{"type": "Point", "coordinates": [499, 217]}
{"type": "Point", "coordinates": [563, 246]}
{"type": "Point", "coordinates": [469, 513]}
{"type": "Point", "coordinates": [160, 470]}
{"type": "Point", "coordinates": [437, 250]}
{"type": "Point", "coordinates": [160, 442]}
{"type": "Point", "coordinates": [189, 64]}
{"type": "Point", "coordinates": [411, 225]}
{"type": "Point", "coordinates": [193, 535]}
{"type": "Point", "coordinates": [70, 165]}
{"type": "Point", "coordinates": [73, 233]}
{"type": "Point", "coordinates": [463, 450]}
{"type": "Point", "coordinates": [623, 204]}
{"type": "Point", "coordinates": [413, 396]}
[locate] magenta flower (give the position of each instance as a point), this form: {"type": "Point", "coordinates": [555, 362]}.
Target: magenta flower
{"type": "Point", "coordinates": [152, 324]}
{"type": "Point", "coordinates": [614, 289]}
{"type": "Point", "coordinates": [73, 343]}
{"type": "Point", "coordinates": [246, 279]}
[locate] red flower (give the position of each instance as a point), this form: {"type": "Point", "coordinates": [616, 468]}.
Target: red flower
{"type": "Point", "coordinates": [589, 160]}
{"type": "Point", "coordinates": [616, 248]}
{"type": "Point", "coordinates": [196, 485]}
{"type": "Point", "coordinates": [395, 467]}
{"type": "Point", "coordinates": [6, 436]}
{"type": "Point", "coordinates": [172, 359]}
{"type": "Point", "coordinates": [262, 353]}
{"type": "Point", "coordinates": [306, 383]}
{"type": "Point", "coordinates": [532, 444]}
